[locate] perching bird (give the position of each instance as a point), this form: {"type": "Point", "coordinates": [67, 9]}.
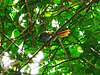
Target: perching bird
{"type": "Point", "coordinates": [45, 36]}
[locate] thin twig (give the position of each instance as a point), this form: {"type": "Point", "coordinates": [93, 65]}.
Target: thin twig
{"type": "Point", "coordinates": [22, 33]}
{"type": "Point", "coordinates": [65, 54]}
{"type": "Point", "coordinates": [91, 63]}
{"type": "Point", "coordinates": [64, 62]}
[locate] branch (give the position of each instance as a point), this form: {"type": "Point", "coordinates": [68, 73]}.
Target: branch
{"type": "Point", "coordinates": [65, 54]}
{"type": "Point", "coordinates": [64, 62]}
{"type": "Point", "coordinates": [22, 33]}
{"type": "Point", "coordinates": [91, 63]}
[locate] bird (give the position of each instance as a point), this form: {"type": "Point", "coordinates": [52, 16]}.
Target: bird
{"type": "Point", "coordinates": [45, 36]}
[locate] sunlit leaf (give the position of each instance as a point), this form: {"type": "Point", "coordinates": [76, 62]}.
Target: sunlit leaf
{"type": "Point", "coordinates": [48, 14]}
{"type": "Point", "coordinates": [57, 1]}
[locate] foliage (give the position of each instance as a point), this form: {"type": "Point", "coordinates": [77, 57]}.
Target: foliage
{"type": "Point", "coordinates": [21, 23]}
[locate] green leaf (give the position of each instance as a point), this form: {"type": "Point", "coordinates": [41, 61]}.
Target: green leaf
{"type": "Point", "coordinates": [57, 1]}
{"type": "Point", "coordinates": [16, 32]}
{"type": "Point", "coordinates": [48, 14]}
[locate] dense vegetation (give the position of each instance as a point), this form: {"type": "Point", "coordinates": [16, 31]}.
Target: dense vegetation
{"type": "Point", "coordinates": [23, 21]}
